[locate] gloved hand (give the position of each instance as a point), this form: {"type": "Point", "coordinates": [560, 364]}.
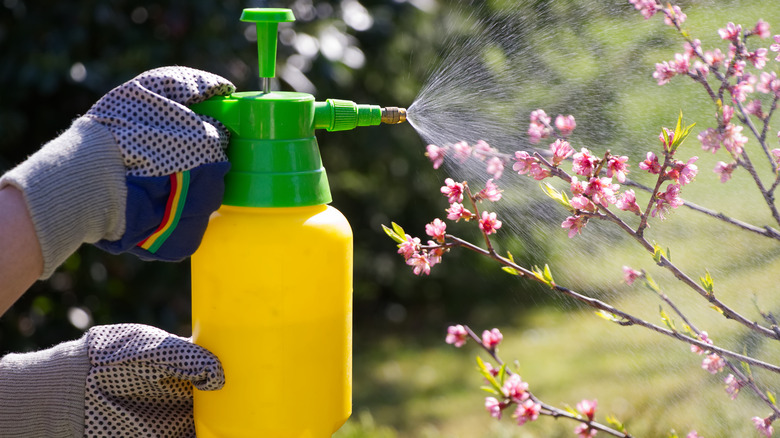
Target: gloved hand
{"type": "Point", "coordinates": [139, 172]}
{"type": "Point", "coordinates": [125, 380]}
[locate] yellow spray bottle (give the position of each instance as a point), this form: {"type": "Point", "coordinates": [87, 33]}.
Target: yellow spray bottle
{"type": "Point", "coordinates": [272, 279]}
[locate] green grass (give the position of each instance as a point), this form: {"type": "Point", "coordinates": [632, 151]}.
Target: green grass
{"type": "Point", "coordinates": [416, 386]}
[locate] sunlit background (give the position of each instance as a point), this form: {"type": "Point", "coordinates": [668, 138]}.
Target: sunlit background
{"type": "Point", "coordinates": [480, 67]}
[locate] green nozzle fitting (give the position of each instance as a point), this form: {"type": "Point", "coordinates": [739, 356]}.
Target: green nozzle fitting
{"type": "Point", "coordinates": [267, 22]}
{"type": "Point", "coordinates": [342, 115]}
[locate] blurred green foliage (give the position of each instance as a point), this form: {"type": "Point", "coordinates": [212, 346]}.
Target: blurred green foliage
{"type": "Point", "coordinates": [58, 60]}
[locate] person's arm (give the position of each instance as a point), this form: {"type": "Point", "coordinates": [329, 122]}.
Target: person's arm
{"type": "Point", "coordinates": [21, 261]}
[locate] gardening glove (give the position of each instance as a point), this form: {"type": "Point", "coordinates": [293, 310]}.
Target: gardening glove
{"type": "Point", "coordinates": [127, 380]}
{"type": "Point", "coordinates": [140, 172]}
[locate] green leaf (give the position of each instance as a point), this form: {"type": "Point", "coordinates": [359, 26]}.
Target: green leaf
{"type": "Point", "coordinates": [561, 198]}
{"type": "Point", "coordinates": [746, 367]}
{"type": "Point", "coordinates": [607, 315]}
{"type": "Point", "coordinates": [771, 397]}
{"type": "Point", "coordinates": [392, 234]}
{"type": "Point", "coordinates": [510, 270]}
{"type": "Point", "coordinates": [651, 284]}
{"type": "Point", "coordinates": [614, 422]}
{"type": "Point", "coordinates": [668, 254]}
{"type": "Point", "coordinates": [397, 228]}
{"type": "Point", "coordinates": [548, 275]}
{"type": "Point", "coordinates": [502, 374]}
{"type": "Point", "coordinates": [668, 321]}
{"type": "Point", "coordinates": [571, 410]}
{"type": "Point", "coordinates": [510, 257]}
{"type": "Point", "coordinates": [672, 434]}
{"type": "Point", "coordinates": [657, 253]}
{"type": "Point", "coordinates": [707, 283]}
{"type": "Point", "coordinates": [487, 375]}
{"type": "Point", "coordinates": [489, 389]}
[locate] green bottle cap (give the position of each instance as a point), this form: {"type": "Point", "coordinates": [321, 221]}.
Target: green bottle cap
{"type": "Point", "coordinates": [267, 23]}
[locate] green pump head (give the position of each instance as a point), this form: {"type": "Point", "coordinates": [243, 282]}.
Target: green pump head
{"type": "Point", "coordinates": [274, 156]}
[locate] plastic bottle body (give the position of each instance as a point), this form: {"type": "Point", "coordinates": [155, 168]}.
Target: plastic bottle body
{"type": "Point", "coordinates": [272, 298]}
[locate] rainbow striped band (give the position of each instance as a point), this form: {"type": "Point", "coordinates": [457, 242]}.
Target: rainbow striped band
{"type": "Point", "coordinates": [180, 183]}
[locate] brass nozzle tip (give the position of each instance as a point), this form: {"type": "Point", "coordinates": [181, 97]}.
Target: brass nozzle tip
{"type": "Point", "coordinates": [392, 115]}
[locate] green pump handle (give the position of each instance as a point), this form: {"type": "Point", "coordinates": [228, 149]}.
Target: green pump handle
{"type": "Point", "coordinates": [274, 157]}
{"type": "Point", "coordinates": [267, 25]}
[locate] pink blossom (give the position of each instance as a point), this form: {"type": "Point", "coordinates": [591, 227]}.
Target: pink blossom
{"type": "Point", "coordinates": [436, 229]}
{"type": "Point", "coordinates": [732, 386]}
{"type": "Point", "coordinates": [587, 408]}
{"type": "Point", "coordinates": [627, 202]}
{"type": "Point", "coordinates": [704, 338]}
{"type": "Point", "coordinates": [693, 434]}
{"type": "Point", "coordinates": [754, 107]}
{"type": "Point", "coordinates": [651, 164]}
{"type": "Point", "coordinates": [714, 58]}
{"type": "Point", "coordinates": [648, 8]}
{"type": "Point", "coordinates": [692, 48]}
{"type": "Point", "coordinates": [739, 67]}
{"type": "Point", "coordinates": [763, 425]}
{"type": "Point", "coordinates": [419, 263]}
{"type": "Point", "coordinates": [713, 363]}
{"type": "Point", "coordinates": [683, 173]}
{"type": "Point", "coordinates": [667, 200]}
{"type": "Point", "coordinates": [577, 186]}
{"type": "Point", "coordinates": [491, 192]}
{"type": "Point", "coordinates": [670, 135]}
{"type": "Point", "coordinates": [456, 335]}
{"type": "Point", "coordinates": [482, 150]}
{"type": "Point", "coordinates": [538, 172]}
{"type": "Point", "coordinates": [776, 153]}
{"type": "Point", "coordinates": [584, 162]}
{"type": "Point", "coordinates": [724, 170]}
{"type": "Point", "coordinates": [602, 191]}
{"type": "Point", "coordinates": [539, 116]}
{"type": "Point", "coordinates": [582, 202]}
{"type": "Point", "coordinates": [740, 90]}
{"type": "Point", "coordinates": [527, 411]}
{"type": "Point", "coordinates": [491, 338]}
{"type": "Point", "coordinates": [457, 212]}
{"type": "Point", "coordinates": [539, 126]}
{"type": "Point", "coordinates": [768, 83]}
{"type": "Point", "coordinates": [452, 190]}
{"type": "Point", "coordinates": [575, 224]}
{"type": "Point", "coordinates": [728, 113]}
{"type": "Point", "coordinates": [462, 151]}
{"type": "Point", "coordinates": [434, 254]}
{"type": "Point", "coordinates": [761, 29]}
{"type": "Point", "coordinates": [565, 124]}
{"type": "Point", "coordinates": [515, 389]}
{"type": "Point", "coordinates": [489, 224]}
{"type": "Point", "coordinates": [730, 32]}
{"type": "Point", "coordinates": [664, 72]}
{"type": "Point", "coordinates": [523, 162]}
{"type": "Point", "coordinates": [732, 139]}
{"type": "Point", "coordinates": [495, 167]}
{"type": "Point", "coordinates": [409, 247]}
{"type": "Point", "coordinates": [561, 150]}
{"type": "Point", "coordinates": [585, 431]}
{"type": "Point", "coordinates": [681, 63]}
{"type": "Point", "coordinates": [494, 407]}
{"type": "Point", "coordinates": [435, 154]}
{"type": "Point", "coordinates": [674, 15]}
{"type": "Point", "coordinates": [710, 140]}
{"type": "Point", "coordinates": [776, 46]}
{"type": "Point", "coordinates": [630, 275]}
{"type": "Point", "coordinates": [617, 167]}
{"type": "Point", "coordinates": [758, 58]}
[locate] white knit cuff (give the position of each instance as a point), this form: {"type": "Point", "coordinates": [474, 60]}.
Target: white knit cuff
{"type": "Point", "coordinates": [42, 393]}
{"type": "Point", "coordinates": [75, 191]}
